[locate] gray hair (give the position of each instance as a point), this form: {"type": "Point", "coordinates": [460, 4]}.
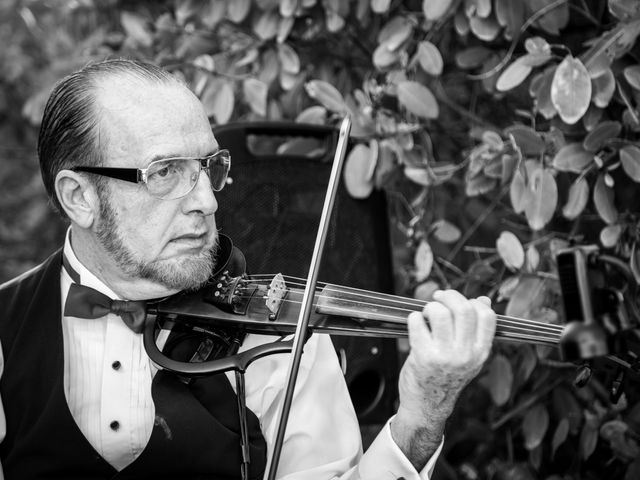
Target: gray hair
{"type": "Point", "coordinates": [68, 132]}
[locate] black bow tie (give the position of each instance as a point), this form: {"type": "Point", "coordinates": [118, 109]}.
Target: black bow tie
{"type": "Point", "coordinates": [86, 302]}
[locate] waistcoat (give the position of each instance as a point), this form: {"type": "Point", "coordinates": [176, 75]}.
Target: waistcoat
{"type": "Point", "coordinates": [196, 433]}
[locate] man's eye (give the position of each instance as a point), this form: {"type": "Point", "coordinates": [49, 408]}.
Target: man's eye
{"type": "Point", "coordinates": [163, 172]}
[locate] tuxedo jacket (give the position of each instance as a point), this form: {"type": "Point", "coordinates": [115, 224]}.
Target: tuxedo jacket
{"type": "Point", "coordinates": [196, 432]}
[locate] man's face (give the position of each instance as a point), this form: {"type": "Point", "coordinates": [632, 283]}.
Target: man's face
{"type": "Point", "coordinates": [168, 242]}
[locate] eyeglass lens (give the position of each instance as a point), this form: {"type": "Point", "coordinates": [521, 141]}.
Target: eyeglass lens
{"type": "Point", "coordinates": [175, 177]}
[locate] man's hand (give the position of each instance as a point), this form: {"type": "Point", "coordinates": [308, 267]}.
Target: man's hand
{"type": "Point", "coordinates": [445, 355]}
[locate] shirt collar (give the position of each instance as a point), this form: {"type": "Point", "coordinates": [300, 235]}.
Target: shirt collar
{"type": "Point", "coordinates": [85, 276]}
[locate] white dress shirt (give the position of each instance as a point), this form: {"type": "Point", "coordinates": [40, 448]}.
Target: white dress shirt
{"type": "Point", "coordinates": [107, 379]}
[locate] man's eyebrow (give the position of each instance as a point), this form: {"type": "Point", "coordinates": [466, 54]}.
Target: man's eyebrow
{"type": "Point", "coordinates": [164, 156]}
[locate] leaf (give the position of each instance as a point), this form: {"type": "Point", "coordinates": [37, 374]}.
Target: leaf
{"type": "Point", "coordinates": [472, 57]}
{"type": "Point", "coordinates": [533, 258]}
{"type": "Point", "coordinates": [567, 407]}
{"type": "Point", "coordinates": [598, 64]}
{"type": "Point", "coordinates": [486, 29]}
{"type": "Point", "coordinates": [395, 32]}
{"type": "Point", "coordinates": [603, 200]}
{"type": "Point", "coordinates": [425, 291]}
{"type": "Point", "coordinates": [588, 435]}
{"type": "Point", "coordinates": [603, 89]}
{"type": "Point", "coordinates": [357, 179]}
{"type": "Point", "coordinates": [423, 261]}
{"type": "Point", "coordinates": [624, 10]}
{"type": "Point", "coordinates": [334, 21]}
{"type": "Point", "coordinates": [435, 9]}
{"type": "Point", "coordinates": [604, 131]}
{"type": "Point", "coordinates": [430, 58]}
{"type": "Point", "coordinates": [526, 298]}
{"type": "Point", "coordinates": [510, 250]}
{"type": "Point", "coordinates": [527, 139]}
{"type": "Point", "coordinates": [418, 175]}
{"type": "Point", "coordinates": [461, 23]}
{"type": "Point", "coordinates": [630, 159]}
{"type": "Point", "coordinates": [555, 19]}
{"type": "Point", "coordinates": [578, 197]}
{"type": "Point", "coordinates": [288, 80]}
{"type": "Point", "coordinates": [542, 200]}
{"type": "Point", "coordinates": [571, 90]}
{"type": "Point", "coordinates": [269, 66]}
{"type": "Point", "coordinates": [592, 118]}
{"type": "Point", "coordinates": [287, 7]}
{"type": "Point", "coordinates": [384, 58]}
{"type": "Point", "coordinates": [534, 426]}
{"type": "Point", "coordinates": [518, 192]}
{"type": "Point", "coordinates": [541, 91]}
{"type": "Point", "coordinates": [209, 13]}
{"type": "Point", "coordinates": [537, 45]}
{"type": "Point", "coordinates": [136, 27]}
{"type": "Point", "coordinates": [478, 185]}
{"type": "Point", "coordinates": [284, 28]}
{"type": "Point", "coordinates": [513, 75]}
{"type": "Point", "coordinates": [610, 235]}
{"type": "Point", "coordinates": [510, 15]}
{"type": "Point", "coordinates": [316, 115]}
{"type": "Point", "coordinates": [572, 158]}
{"type": "Point", "coordinates": [632, 75]}
{"type": "Point", "coordinates": [507, 287]}
{"type": "Point", "coordinates": [560, 435]}
{"type": "Point", "coordinates": [483, 8]}
{"type": "Point", "coordinates": [218, 100]}
{"type": "Point", "coordinates": [255, 94]}
{"type": "Point", "coordinates": [288, 59]}
{"type": "Point", "coordinates": [238, 9]}
{"type": "Point", "coordinates": [446, 232]}
{"type": "Point", "coordinates": [499, 379]}
{"type": "Point", "coordinates": [527, 364]}
{"type": "Point", "coordinates": [326, 94]}
{"type": "Point", "coordinates": [417, 99]}
{"type": "Point", "coordinates": [185, 10]}
{"type": "Point", "coordinates": [380, 6]}
{"type": "Point", "coordinates": [266, 25]}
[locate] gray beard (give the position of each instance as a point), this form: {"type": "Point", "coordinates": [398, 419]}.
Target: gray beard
{"type": "Point", "coordinates": [189, 274]}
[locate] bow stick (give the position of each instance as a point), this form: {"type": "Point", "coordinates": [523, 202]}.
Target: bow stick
{"type": "Point", "coordinates": [307, 299]}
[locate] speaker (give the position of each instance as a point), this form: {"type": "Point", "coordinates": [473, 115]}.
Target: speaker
{"type": "Point", "coordinates": [271, 209]}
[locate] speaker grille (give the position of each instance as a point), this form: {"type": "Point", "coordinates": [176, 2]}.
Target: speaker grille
{"type": "Point", "coordinates": [271, 210]}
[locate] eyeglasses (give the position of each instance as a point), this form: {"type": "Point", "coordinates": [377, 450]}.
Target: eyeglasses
{"type": "Point", "coordinates": [171, 178]}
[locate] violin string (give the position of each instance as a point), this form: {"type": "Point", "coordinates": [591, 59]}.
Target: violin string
{"type": "Point", "coordinates": [503, 321]}
{"type": "Point", "coordinates": [504, 326]}
{"type": "Point", "coordinates": [506, 320]}
{"type": "Point", "coordinates": [502, 331]}
{"type": "Point", "coordinates": [417, 303]}
{"type": "Point", "coordinates": [540, 326]}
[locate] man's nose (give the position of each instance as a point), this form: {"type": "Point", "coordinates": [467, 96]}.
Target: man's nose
{"type": "Point", "coordinates": [201, 198]}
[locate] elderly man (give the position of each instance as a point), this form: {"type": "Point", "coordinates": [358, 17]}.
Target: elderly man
{"type": "Point", "coordinates": [122, 146]}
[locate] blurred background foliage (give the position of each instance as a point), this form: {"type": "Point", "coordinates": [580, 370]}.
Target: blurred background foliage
{"type": "Point", "coordinates": [501, 130]}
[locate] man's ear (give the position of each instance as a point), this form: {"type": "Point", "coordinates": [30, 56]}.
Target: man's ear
{"type": "Point", "coordinates": [78, 197]}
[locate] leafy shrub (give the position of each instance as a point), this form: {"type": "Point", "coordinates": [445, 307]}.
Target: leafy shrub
{"type": "Point", "coordinates": [502, 130]}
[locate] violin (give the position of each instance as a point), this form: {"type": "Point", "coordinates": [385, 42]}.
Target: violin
{"type": "Point", "coordinates": [270, 304]}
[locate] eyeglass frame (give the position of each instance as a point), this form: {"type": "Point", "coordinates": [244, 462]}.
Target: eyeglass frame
{"type": "Point", "coordinates": [139, 175]}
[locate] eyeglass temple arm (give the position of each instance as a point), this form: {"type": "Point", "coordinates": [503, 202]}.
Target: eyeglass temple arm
{"type": "Point", "coordinates": [132, 175]}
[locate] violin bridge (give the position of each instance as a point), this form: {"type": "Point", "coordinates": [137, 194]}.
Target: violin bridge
{"type": "Point", "coordinates": [275, 294]}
